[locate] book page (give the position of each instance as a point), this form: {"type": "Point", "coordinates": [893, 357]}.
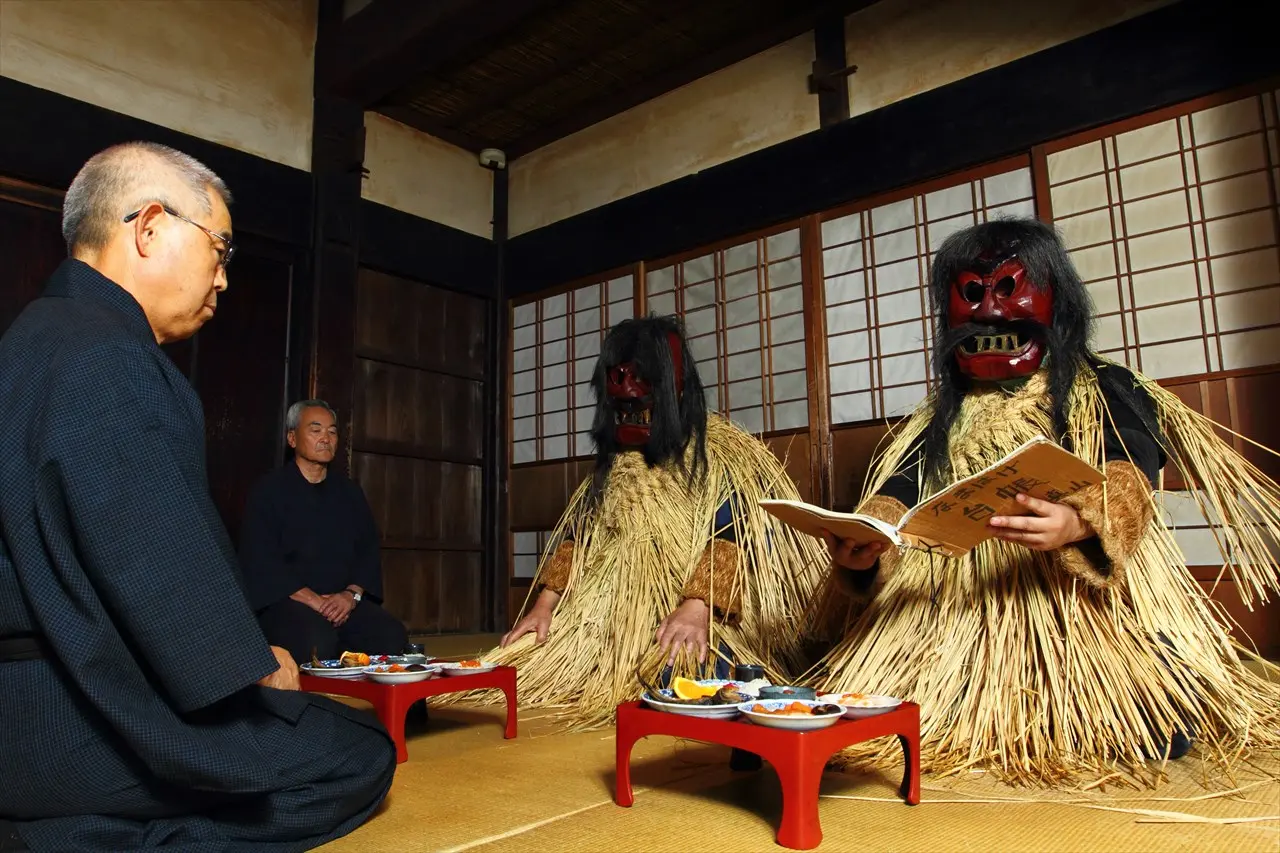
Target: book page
{"type": "Point", "coordinates": [812, 520]}
{"type": "Point", "coordinates": [955, 520]}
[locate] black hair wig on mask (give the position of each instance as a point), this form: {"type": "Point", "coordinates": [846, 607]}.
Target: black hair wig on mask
{"type": "Point", "coordinates": [1045, 259]}
{"type": "Point", "coordinates": [677, 419]}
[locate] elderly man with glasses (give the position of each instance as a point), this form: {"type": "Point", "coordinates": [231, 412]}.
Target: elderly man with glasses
{"type": "Point", "coordinates": [142, 705]}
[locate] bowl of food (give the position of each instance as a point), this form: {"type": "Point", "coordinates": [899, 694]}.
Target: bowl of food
{"type": "Point", "coordinates": [399, 673]}
{"type": "Point", "coordinates": [797, 715]}
{"type": "Point", "coordinates": [466, 667]}
{"type": "Point", "coordinates": [859, 705]}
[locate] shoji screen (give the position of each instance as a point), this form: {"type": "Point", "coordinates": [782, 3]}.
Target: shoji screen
{"type": "Point", "coordinates": [555, 343]}
{"type": "Point", "coordinates": [1173, 224]}
{"type": "Point", "coordinates": [875, 261]}
{"type": "Point", "coordinates": [744, 315]}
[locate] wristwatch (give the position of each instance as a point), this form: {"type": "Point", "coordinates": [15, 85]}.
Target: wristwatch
{"type": "Point", "coordinates": [355, 594]}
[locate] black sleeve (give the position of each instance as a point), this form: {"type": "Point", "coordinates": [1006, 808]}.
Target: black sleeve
{"type": "Point", "coordinates": [269, 573]}
{"type": "Point", "coordinates": [1127, 436]}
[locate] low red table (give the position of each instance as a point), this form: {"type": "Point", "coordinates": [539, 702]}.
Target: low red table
{"type": "Point", "coordinates": [798, 757]}
{"type": "Point", "coordinates": [391, 701]}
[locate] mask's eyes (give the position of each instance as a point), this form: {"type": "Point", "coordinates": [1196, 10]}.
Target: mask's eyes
{"type": "Point", "coordinates": [972, 290]}
{"type": "Point", "coordinates": [1004, 287]}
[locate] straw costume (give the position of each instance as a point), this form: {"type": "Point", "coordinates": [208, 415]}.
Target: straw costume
{"type": "Point", "coordinates": [1097, 655]}
{"type": "Point", "coordinates": [669, 515]}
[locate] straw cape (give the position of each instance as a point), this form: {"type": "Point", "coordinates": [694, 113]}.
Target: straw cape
{"type": "Point", "coordinates": [632, 556]}
{"type": "Point", "coordinates": [1027, 667]}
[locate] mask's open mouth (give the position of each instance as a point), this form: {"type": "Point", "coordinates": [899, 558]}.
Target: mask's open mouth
{"type": "Point", "coordinates": [640, 418]}
{"type": "Point", "coordinates": [1010, 343]}
{"type": "Point", "coordinates": [633, 411]}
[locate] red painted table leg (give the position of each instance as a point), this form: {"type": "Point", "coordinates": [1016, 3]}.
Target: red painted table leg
{"type": "Point", "coordinates": [391, 710]}
{"type": "Point", "coordinates": [800, 775]}
{"type": "Point", "coordinates": [910, 740]}
{"type": "Point", "coordinates": [624, 741]}
{"type": "Point", "coordinates": [509, 688]}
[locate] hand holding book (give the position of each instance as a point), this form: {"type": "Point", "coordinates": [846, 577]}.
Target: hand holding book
{"type": "Point", "coordinates": [955, 520]}
{"type": "Point", "coordinates": [1049, 527]}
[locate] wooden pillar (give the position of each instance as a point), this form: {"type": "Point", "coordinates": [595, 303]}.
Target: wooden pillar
{"type": "Point", "coordinates": [325, 310]}
{"type": "Point", "coordinates": [815, 341]}
{"type": "Point", "coordinates": [829, 80]}
{"type": "Point", "coordinates": [495, 586]}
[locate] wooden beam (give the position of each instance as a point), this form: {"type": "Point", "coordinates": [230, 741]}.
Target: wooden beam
{"type": "Point", "coordinates": [389, 44]}
{"type": "Point", "coordinates": [829, 80]}
{"type": "Point", "coordinates": [767, 36]}
{"type": "Point", "coordinates": [815, 338]}
{"type": "Point", "coordinates": [326, 326]}
{"type": "Point", "coordinates": [495, 510]}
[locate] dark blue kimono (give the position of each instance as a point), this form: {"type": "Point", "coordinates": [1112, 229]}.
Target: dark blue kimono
{"type": "Point", "coordinates": [141, 725]}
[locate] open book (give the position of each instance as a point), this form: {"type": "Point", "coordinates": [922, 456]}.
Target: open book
{"type": "Point", "coordinates": [954, 521]}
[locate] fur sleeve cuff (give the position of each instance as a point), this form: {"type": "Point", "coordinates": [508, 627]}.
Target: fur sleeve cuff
{"type": "Point", "coordinates": [715, 580]}
{"type": "Point", "coordinates": [1119, 512]}
{"type": "Point", "coordinates": [863, 586]}
{"type": "Point", "coordinates": [555, 573]}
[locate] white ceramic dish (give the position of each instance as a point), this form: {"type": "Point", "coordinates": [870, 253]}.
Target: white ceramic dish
{"type": "Point", "coordinates": [868, 705]}
{"type": "Point", "coordinates": [453, 668]}
{"type": "Point", "coordinates": [706, 712]}
{"type": "Point", "coordinates": [398, 677]}
{"type": "Point", "coordinates": [796, 723]}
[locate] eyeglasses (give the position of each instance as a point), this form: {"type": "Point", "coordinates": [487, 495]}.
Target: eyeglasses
{"type": "Point", "coordinates": [224, 256]}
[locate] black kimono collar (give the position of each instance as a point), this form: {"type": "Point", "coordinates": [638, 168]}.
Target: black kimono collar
{"type": "Point", "coordinates": [75, 279]}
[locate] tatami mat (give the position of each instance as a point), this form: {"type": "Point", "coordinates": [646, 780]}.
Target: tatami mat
{"type": "Point", "coordinates": [466, 788]}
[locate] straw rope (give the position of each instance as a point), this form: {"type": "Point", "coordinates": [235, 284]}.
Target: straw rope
{"type": "Point", "coordinates": [1022, 669]}
{"type": "Point", "coordinates": [631, 559]}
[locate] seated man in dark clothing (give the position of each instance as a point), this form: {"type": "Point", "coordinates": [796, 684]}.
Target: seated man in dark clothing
{"type": "Point", "coordinates": [310, 551]}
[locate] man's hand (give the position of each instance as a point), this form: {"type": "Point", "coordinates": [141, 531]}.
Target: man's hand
{"type": "Point", "coordinates": [286, 677]}
{"type": "Point", "coordinates": [688, 626]}
{"type": "Point", "coordinates": [851, 555]}
{"type": "Point", "coordinates": [1053, 525]}
{"type": "Point", "coordinates": [306, 595]}
{"type": "Point", "coordinates": [337, 607]}
{"type": "Point", "coordinates": [538, 619]}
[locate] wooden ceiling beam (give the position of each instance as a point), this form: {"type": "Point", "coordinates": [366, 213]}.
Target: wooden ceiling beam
{"type": "Point", "coordinates": [581, 55]}
{"type": "Point", "coordinates": [766, 36]}
{"type": "Point", "coordinates": [390, 43]}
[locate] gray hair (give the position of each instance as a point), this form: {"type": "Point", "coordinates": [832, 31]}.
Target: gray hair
{"type": "Point", "coordinates": [294, 416]}
{"type": "Point", "coordinates": [117, 181]}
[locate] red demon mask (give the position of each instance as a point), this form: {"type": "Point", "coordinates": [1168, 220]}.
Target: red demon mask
{"type": "Point", "coordinates": [999, 297]}
{"type": "Point", "coordinates": [631, 396]}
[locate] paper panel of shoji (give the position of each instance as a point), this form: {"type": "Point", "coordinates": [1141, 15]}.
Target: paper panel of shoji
{"type": "Point", "coordinates": [875, 270]}
{"type": "Point", "coordinates": [1173, 228]}
{"type": "Point", "coordinates": [527, 550]}
{"type": "Point", "coordinates": [555, 344]}
{"type": "Point", "coordinates": [744, 316]}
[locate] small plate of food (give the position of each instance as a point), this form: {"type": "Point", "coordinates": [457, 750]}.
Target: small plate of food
{"type": "Point", "coordinates": [350, 665]}
{"type": "Point", "coordinates": [859, 705]}
{"type": "Point", "coordinates": [709, 698]}
{"type": "Point", "coordinates": [399, 673]}
{"type": "Point", "coordinates": [466, 667]}
{"type": "Point", "coordinates": [797, 715]}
